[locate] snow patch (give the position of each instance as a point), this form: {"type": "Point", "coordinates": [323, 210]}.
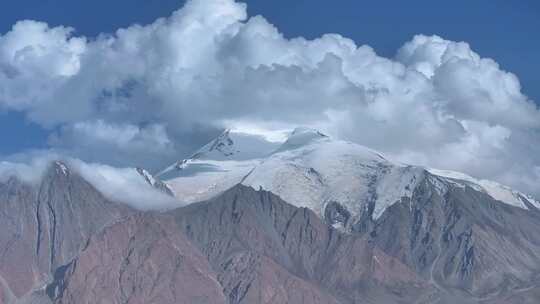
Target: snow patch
{"type": "Point", "coordinates": [61, 167]}
{"type": "Point", "coordinates": [310, 169]}
{"type": "Point", "coordinates": [396, 184]}
{"type": "Point", "coordinates": [495, 190]}
{"type": "Point", "coordinates": [202, 180]}
{"type": "Point", "coordinates": [147, 176]}
{"type": "Point", "coordinates": [301, 137]}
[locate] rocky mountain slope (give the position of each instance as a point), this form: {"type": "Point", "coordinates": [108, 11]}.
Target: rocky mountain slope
{"type": "Point", "coordinates": [139, 259]}
{"type": "Point", "coordinates": [267, 251]}
{"type": "Point", "coordinates": [314, 220]}
{"type": "Point", "coordinates": [44, 227]}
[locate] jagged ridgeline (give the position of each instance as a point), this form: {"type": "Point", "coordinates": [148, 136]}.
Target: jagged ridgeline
{"type": "Point", "coordinates": [309, 220]}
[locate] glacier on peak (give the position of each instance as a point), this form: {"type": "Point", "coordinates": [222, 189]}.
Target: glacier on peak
{"type": "Point", "coordinates": [302, 136]}
{"type": "Point", "coordinates": [496, 190]}
{"type": "Point", "coordinates": [312, 173]}
{"type": "Point", "coordinates": [228, 146]}
{"type": "Point", "coordinates": [217, 166]}
{"type": "Point", "coordinates": [310, 169]}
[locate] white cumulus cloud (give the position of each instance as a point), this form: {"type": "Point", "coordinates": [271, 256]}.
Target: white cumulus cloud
{"type": "Point", "coordinates": [156, 91]}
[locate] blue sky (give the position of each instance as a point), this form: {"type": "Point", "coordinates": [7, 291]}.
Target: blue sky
{"type": "Point", "coordinates": [155, 92]}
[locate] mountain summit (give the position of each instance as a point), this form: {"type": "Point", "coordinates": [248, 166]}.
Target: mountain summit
{"type": "Point", "coordinates": [302, 136]}
{"type": "Point", "coordinates": [339, 180]}
{"type": "Point", "coordinates": [217, 166]}
{"type": "Point", "coordinates": [311, 220]}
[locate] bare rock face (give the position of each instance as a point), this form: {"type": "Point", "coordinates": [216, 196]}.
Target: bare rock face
{"type": "Point", "coordinates": [267, 251]}
{"type": "Point", "coordinates": [62, 242]}
{"type": "Point", "coordinates": [19, 268]}
{"type": "Point", "coordinates": [139, 260]}
{"type": "Point", "coordinates": [154, 181]}
{"type": "Point", "coordinates": [463, 242]}
{"type": "Point", "coordinates": [44, 227]}
{"type": "Point", "coordinates": [249, 277]}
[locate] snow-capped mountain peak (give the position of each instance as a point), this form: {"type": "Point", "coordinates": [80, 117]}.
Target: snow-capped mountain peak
{"type": "Point", "coordinates": [496, 190]}
{"type": "Point", "coordinates": [221, 147]}
{"type": "Point", "coordinates": [313, 170]}
{"type": "Point", "coordinates": [310, 169]}
{"type": "Point", "coordinates": [217, 166]}
{"type": "Point", "coordinates": [228, 146]}
{"type": "Point", "coordinates": [302, 136]}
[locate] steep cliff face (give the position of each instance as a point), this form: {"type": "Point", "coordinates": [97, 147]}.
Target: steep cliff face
{"type": "Point", "coordinates": [45, 226]}
{"type": "Point", "coordinates": [445, 242]}
{"type": "Point", "coordinates": [267, 251]}
{"type": "Point", "coordinates": [140, 259]}
{"type": "Point", "coordinates": [462, 240]}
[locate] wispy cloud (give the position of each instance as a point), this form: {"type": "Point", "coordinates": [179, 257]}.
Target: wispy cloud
{"type": "Point", "coordinates": [122, 185]}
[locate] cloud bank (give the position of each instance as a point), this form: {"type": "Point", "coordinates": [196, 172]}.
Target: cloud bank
{"type": "Point", "coordinates": [145, 94]}
{"type": "Point", "coordinates": [122, 185]}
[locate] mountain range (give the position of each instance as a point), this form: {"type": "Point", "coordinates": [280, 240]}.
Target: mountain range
{"type": "Point", "coordinates": [308, 220]}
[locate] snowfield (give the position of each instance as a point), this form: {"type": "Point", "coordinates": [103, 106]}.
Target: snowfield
{"type": "Point", "coordinates": [311, 170]}
{"type": "Point", "coordinates": [495, 190]}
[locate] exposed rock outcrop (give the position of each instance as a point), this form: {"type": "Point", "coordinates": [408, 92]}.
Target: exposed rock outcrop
{"type": "Point", "coordinates": [268, 251]}
{"type": "Point", "coordinates": [63, 242]}
{"type": "Point", "coordinates": [45, 226]}
{"type": "Point", "coordinates": [141, 259]}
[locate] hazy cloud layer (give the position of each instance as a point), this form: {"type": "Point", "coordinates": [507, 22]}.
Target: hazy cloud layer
{"type": "Point", "coordinates": [148, 93]}
{"type": "Point", "coordinates": [124, 185]}
{"type": "Point", "coordinates": [122, 143]}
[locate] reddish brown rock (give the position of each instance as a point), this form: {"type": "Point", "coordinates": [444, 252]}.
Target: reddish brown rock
{"type": "Point", "coordinates": [44, 227]}
{"type": "Point", "coordinates": [263, 247]}
{"type": "Point", "coordinates": [141, 260]}
{"type": "Point", "coordinates": [63, 242]}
